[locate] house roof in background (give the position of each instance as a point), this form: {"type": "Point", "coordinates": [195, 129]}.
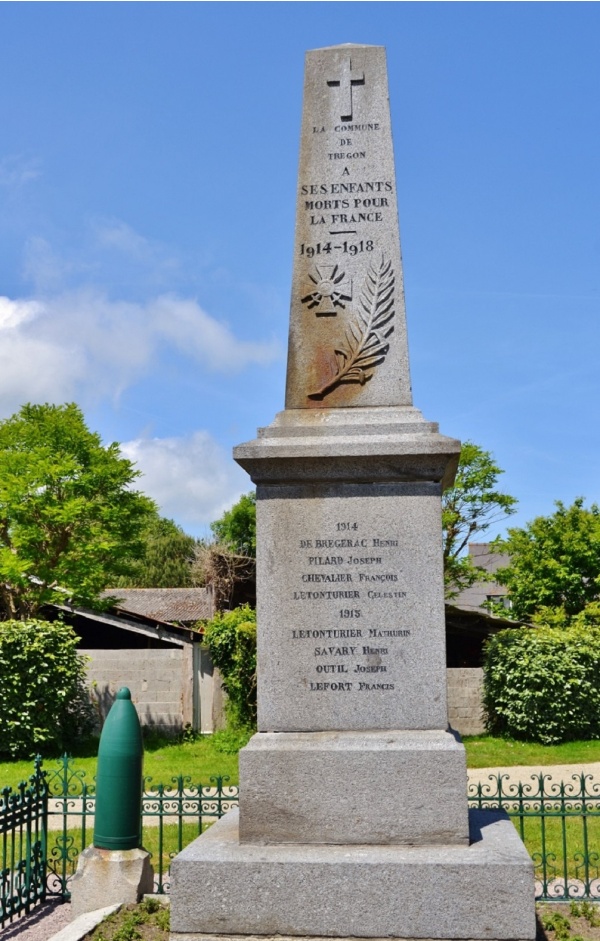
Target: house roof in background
{"type": "Point", "coordinates": [172, 605]}
{"type": "Point", "coordinates": [478, 620]}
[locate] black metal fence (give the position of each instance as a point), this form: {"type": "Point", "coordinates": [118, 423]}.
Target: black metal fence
{"type": "Point", "coordinates": [559, 822]}
{"type": "Point", "coordinates": [23, 836]}
{"type": "Point", "coordinates": [46, 822]}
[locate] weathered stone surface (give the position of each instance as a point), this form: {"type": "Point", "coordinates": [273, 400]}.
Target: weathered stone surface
{"type": "Point", "coordinates": [354, 787]}
{"type": "Point", "coordinates": [347, 341]}
{"type": "Point", "coordinates": [178, 936]}
{"type": "Point", "coordinates": [350, 608]}
{"type": "Point", "coordinates": [223, 887]}
{"type": "Point", "coordinates": [362, 445]}
{"type": "Point", "coordinates": [105, 877]}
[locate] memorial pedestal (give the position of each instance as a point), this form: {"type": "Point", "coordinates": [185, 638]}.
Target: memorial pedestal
{"type": "Point", "coordinates": [354, 787]}
{"type": "Point", "coordinates": [358, 832]}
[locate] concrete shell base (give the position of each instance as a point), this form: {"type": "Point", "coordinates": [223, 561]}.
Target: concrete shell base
{"type": "Point", "coordinates": [222, 888]}
{"type": "Point", "coordinates": [107, 877]}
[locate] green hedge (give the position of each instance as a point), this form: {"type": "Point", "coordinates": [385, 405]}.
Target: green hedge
{"type": "Point", "coordinates": [231, 639]}
{"type": "Point", "coordinates": [44, 706]}
{"type": "Point", "coordinates": [542, 684]}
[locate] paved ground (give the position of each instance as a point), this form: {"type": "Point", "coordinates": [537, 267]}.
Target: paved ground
{"type": "Point", "coordinates": [43, 922]}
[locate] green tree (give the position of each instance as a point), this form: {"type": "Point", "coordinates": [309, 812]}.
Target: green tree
{"type": "Point", "coordinates": [236, 529]}
{"type": "Point", "coordinates": [469, 507]}
{"type": "Point", "coordinates": [166, 559]}
{"type": "Point", "coordinates": [554, 570]}
{"type": "Point", "coordinates": [69, 518]}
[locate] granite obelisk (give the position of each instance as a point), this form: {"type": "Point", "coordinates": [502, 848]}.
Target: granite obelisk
{"type": "Point", "coordinates": [353, 818]}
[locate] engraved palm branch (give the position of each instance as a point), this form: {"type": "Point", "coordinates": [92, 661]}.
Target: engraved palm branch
{"type": "Point", "coordinates": [367, 334]}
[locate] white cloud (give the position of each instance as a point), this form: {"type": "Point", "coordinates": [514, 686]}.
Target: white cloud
{"type": "Point", "coordinates": [43, 267]}
{"type": "Point", "coordinates": [14, 313]}
{"type": "Point", "coordinates": [16, 171]}
{"type": "Point", "coordinates": [211, 342]}
{"type": "Point", "coordinates": [82, 345]}
{"type": "Point", "coordinates": [192, 478]}
{"type": "Point", "coordinates": [121, 238]}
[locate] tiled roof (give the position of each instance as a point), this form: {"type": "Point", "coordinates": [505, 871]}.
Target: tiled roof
{"type": "Point", "coordinates": [177, 605]}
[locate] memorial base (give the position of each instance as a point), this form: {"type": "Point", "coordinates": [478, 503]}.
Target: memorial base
{"type": "Point", "coordinates": [333, 787]}
{"type": "Point", "coordinates": [223, 888]}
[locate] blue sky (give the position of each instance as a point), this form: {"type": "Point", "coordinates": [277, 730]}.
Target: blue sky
{"type": "Point", "coordinates": [148, 161]}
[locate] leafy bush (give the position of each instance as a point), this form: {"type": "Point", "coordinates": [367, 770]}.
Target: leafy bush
{"type": "Point", "coordinates": [45, 706]}
{"type": "Point", "coordinates": [231, 639]}
{"type": "Point", "coordinates": [542, 684]}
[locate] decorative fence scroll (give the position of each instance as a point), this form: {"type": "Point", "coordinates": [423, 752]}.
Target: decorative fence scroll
{"type": "Point", "coordinates": [48, 821]}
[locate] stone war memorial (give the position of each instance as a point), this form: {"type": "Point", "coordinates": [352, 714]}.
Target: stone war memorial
{"type": "Point", "coordinates": [353, 818]}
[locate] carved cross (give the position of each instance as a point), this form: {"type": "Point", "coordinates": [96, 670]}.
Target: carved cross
{"type": "Point", "coordinates": [347, 79]}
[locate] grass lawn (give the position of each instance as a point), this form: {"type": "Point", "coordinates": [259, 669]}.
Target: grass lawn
{"type": "Point", "coordinates": [483, 751]}
{"type": "Point", "coordinates": [163, 760]}
{"type": "Point", "coordinates": [557, 845]}
{"type": "Point", "coordinates": [202, 759]}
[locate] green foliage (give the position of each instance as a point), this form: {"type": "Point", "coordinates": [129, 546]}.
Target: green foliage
{"type": "Point", "coordinates": [588, 911]}
{"type": "Point", "coordinates": [147, 919]}
{"type": "Point", "coordinates": [543, 685]}
{"type": "Point", "coordinates": [470, 507]}
{"type": "Point", "coordinates": [554, 562]}
{"type": "Point", "coordinates": [589, 616]}
{"type": "Point", "coordinates": [558, 923]}
{"type": "Point", "coordinates": [45, 707]}
{"type": "Point", "coordinates": [166, 559]}
{"type": "Point", "coordinates": [69, 519]}
{"type": "Point", "coordinates": [231, 638]}
{"type": "Point", "coordinates": [236, 529]}
{"type": "Point", "coordinates": [229, 741]}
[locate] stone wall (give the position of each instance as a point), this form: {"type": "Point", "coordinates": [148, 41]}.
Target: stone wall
{"type": "Point", "coordinates": [465, 691]}
{"type": "Point", "coordinates": [171, 687]}
{"type": "Point", "coordinates": [155, 678]}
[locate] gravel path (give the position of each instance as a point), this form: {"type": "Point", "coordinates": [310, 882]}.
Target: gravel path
{"type": "Point", "coordinates": [43, 922]}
